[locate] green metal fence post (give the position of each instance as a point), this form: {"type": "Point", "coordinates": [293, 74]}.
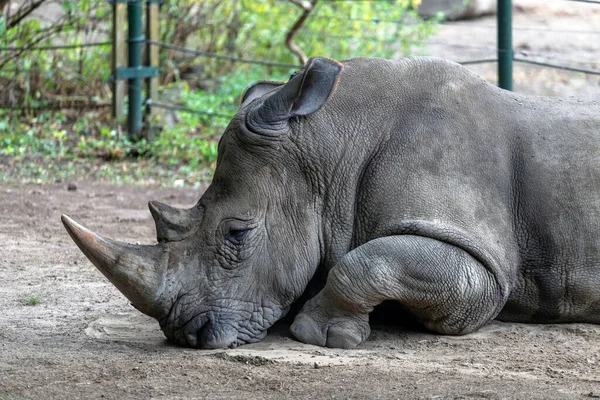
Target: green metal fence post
{"type": "Point", "coordinates": [505, 50]}
{"type": "Point", "coordinates": [119, 59]}
{"type": "Point", "coordinates": [136, 41]}
{"type": "Point", "coordinates": [152, 32]}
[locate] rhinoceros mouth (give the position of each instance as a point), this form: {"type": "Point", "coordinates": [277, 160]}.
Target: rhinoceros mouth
{"type": "Point", "coordinates": [214, 330]}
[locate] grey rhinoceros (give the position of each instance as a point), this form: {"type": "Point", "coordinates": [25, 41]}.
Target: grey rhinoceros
{"type": "Point", "coordinates": [411, 180]}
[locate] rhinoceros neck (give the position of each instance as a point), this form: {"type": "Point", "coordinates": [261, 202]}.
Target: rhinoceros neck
{"type": "Point", "coordinates": [338, 142]}
{"type": "Point", "coordinates": [377, 101]}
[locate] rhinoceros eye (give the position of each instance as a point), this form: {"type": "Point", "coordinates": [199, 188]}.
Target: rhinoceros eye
{"type": "Point", "coordinates": [236, 236]}
{"type": "Point", "coordinates": [235, 231]}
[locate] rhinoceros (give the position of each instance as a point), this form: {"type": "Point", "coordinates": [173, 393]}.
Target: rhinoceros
{"type": "Point", "coordinates": [414, 181]}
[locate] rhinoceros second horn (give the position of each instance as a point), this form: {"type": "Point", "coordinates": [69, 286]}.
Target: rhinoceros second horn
{"type": "Point", "coordinates": [137, 271]}
{"type": "Point", "coordinates": [171, 223]}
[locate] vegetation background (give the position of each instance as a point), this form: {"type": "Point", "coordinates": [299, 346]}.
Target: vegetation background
{"type": "Point", "coordinates": [55, 121]}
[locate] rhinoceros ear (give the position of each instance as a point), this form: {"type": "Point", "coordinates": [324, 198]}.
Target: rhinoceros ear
{"type": "Point", "coordinates": [305, 93]}
{"type": "Point", "coordinates": [258, 90]}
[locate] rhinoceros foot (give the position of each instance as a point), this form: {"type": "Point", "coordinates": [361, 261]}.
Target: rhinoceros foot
{"type": "Point", "coordinates": [320, 324]}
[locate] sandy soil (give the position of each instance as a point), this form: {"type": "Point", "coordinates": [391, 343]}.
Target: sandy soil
{"type": "Point", "coordinates": [83, 340]}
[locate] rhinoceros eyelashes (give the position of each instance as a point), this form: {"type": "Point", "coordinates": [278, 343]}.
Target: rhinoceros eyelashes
{"type": "Point", "coordinates": [304, 94]}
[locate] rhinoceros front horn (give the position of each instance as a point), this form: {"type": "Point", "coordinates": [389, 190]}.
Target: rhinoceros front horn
{"type": "Point", "coordinates": [137, 271]}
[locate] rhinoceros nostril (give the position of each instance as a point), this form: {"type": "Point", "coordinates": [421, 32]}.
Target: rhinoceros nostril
{"type": "Point", "coordinates": [191, 339]}
{"type": "Point", "coordinates": [217, 336]}
{"type": "Point", "coordinates": [187, 335]}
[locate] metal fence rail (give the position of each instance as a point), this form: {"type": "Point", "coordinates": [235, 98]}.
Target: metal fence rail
{"type": "Point", "coordinates": [556, 66]}
{"type": "Point", "coordinates": [199, 53]}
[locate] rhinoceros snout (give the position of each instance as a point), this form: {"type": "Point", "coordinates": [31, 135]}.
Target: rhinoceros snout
{"type": "Point", "coordinates": [213, 336]}
{"type": "Point", "coordinates": [205, 333]}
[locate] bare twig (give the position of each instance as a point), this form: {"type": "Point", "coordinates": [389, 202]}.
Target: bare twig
{"type": "Point", "coordinates": [43, 35]}
{"type": "Point", "coordinates": [305, 5]}
{"type": "Point", "coordinates": [24, 12]}
{"type": "Point", "coordinates": [289, 39]}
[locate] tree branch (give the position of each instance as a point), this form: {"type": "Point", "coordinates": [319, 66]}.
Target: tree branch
{"type": "Point", "coordinates": [305, 5]}
{"type": "Point", "coordinates": [23, 12]}
{"type": "Point", "coordinates": [289, 39]}
{"type": "Point", "coordinates": [32, 42]}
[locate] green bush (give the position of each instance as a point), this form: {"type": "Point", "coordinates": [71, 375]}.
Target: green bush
{"type": "Point", "coordinates": [72, 76]}
{"type": "Point", "coordinates": [251, 29]}
{"type": "Point", "coordinates": [258, 28]}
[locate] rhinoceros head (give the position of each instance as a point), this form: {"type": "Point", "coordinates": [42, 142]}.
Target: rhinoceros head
{"type": "Point", "coordinates": [225, 270]}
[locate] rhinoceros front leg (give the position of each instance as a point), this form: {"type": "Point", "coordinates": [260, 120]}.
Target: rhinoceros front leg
{"type": "Point", "coordinates": [448, 289]}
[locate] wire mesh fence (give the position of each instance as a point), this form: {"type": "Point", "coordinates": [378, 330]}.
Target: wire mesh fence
{"type": "Point", "coordinates": [478, 54]}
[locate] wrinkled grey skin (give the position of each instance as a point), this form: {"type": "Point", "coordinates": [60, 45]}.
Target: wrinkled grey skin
{"type": "Point", "coordinates": [413, 180]}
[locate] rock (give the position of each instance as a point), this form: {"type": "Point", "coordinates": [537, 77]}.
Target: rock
{"type": "Point", "coordinates": [457, 9]}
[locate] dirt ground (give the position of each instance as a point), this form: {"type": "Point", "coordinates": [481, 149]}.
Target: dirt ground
{"type": "Point", "coordinates": [83, 339]}
{"type": "Point", "coordinates": [552, 31]}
